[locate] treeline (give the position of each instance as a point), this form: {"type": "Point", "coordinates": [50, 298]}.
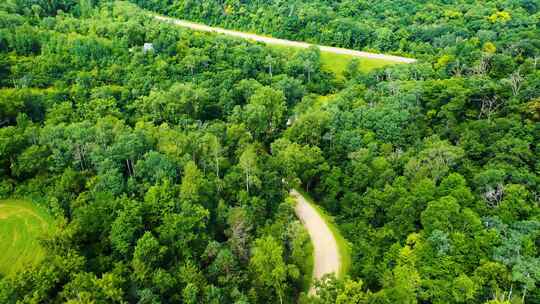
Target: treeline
{"type": "Point", "coordinates": [155, 160]}
{"type": "Point", "coordinates": [406, 26]}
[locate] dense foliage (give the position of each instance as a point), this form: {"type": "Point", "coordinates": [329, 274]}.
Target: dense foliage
{"type": "Point", "coordinates": [432, 169]}
{"type": "Point", "coordinates": [166, 165]}
{"type": "Point", "coordinates": [414, 27]}
{"type": "Point", "coordinates": [154, 160]}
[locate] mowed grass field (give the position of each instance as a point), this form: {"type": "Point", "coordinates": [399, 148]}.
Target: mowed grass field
{"type": "Point", "coordinates": [22, 223]}
{"type": "Point", "coordinates": [337, 63]}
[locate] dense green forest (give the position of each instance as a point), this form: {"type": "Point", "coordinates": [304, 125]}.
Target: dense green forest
{"type": "Point", "coordinates": [416, 27]}
{"type": "Point", "coordinates": [168, 168]}
{"type": "Point", "coordinates": [155, 162]}
{"type": "Point", "coordinates": [432, 169]}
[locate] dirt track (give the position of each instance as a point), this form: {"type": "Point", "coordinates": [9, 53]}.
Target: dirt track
{"type": "Point", "coordinates": [325, 248]}
{"type": "Point", "coordinates": [284, 42]}
{"type": "Point", "coordinates": [326, 254]}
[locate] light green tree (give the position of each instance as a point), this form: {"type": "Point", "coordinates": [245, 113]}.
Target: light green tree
{"type": "Point", "coordinates": [248, 163]}
{"type": "Point", "coordinates": [268, 266]}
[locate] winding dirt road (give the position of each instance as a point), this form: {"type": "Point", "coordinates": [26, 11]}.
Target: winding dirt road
{"type": "Point", "coordinates": [325, 249]}
{"type": "Point", "coordinates": [284, 42]}
{"type": "Point", "coordinates": [326, 253]}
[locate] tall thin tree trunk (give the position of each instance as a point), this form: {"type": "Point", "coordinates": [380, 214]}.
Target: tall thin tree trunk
{"type": "Point", "coordinates": [247, 182]}
{"type": "Point", "coordinates": [132, 167]}
{"type": "Point", "coordinates": [128, 167]}
{"type": "Point", "coordinates": [217, 166]}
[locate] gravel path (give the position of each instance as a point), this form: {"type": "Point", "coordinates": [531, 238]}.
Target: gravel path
{"type": "Point", "coordinates": [284, 42]}
{"type": "Point", "coordinates": [325, 249]}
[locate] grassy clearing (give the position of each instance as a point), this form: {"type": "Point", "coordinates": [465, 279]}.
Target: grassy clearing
{"type": "Point", "coordinates": [22, 223]}
{"type": "Point", "coordinates": [343, 245]}
{"type": "Point", "coordinates": [337, 63]}
{"type": "Point", "coordinates": [331, 62]}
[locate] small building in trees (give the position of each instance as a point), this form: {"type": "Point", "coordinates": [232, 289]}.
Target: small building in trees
{"type": "Point", "coordinates": [148, 47]}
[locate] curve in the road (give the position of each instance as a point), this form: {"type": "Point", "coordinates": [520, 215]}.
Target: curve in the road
{"type": "Point", "coordinates": [326, 253]}
{"type": "Point", "coordinates": [284, 42]}
{"type": "Point", "coordinates": [327, 257]}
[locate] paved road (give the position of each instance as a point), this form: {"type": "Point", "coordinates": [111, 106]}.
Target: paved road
{"type": "Point", "coordinates": [325, 248]}
{"type": "Point", "coordinates": [284, 42]}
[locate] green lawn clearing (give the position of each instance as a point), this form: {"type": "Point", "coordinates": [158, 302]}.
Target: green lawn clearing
{"type": "Point", "coordinates": [337, 63]}
{"type": "Point", "coordinates": [22, 223]}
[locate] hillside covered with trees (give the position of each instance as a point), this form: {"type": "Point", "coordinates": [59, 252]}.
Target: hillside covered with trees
{"type": "Point", "coordinates": [154, 161]}
{"type": "Point", "coordinates": [166, 157]}
{"type": "Point", "coordinates": [421, 28]}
